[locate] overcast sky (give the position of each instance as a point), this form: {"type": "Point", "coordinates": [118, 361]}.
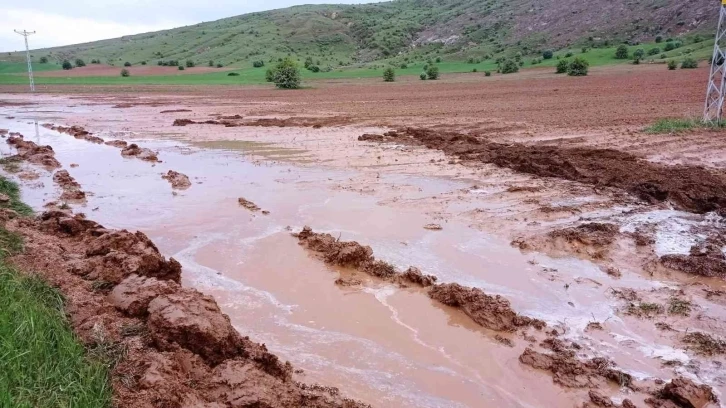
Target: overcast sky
{"type": "Point", "coordinates": [63, 22]}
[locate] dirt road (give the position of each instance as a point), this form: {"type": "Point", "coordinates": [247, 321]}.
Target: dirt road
{"type": "Point", "coordinates": [629, 281]}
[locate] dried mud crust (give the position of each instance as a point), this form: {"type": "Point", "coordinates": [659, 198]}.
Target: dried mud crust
{"type": "Point", "coordinates": [491, 312]}
{"type": "Point", "coordinates": [177, 180]}
{"type": "Point", "coordinates": [133, 150]}
{"type": "Point", "coordinates": [179, 349]}
{"type": "Point", "coordinates": [31, 152]}
{"type": "Point", "coordinates": [688, 188]}
{"type": "Point", "coordinates": [236, 121]}
{"type": "Point", "coordinates": [592, 240]}
{"type": "Point", "coordinates": [71, 189]}
{"type": "Point", "coordinates": [706, 258]}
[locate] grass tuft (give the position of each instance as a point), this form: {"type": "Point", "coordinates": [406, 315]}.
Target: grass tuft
{"type": "Point", "coordinates": [11, 190]}
{"type": "Point", "coordinates": [679, 125]}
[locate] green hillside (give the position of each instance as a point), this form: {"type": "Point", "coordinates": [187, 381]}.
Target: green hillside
{"type": "Point", "coordinates": [401, 31]}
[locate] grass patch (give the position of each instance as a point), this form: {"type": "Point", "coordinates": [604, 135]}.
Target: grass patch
{"type": "Point", "coordinates": [705, 344]}
{"type": "Point", "coordinates": [11, 190]}
{"type": "Point", "coordinates": [42, 362]}
{"type": "Point", "coordinates": [645, 309]}
{"type": "Point", "coordinates": [680, 307]}
{"type": "Point", "coordinates": [679, 125]}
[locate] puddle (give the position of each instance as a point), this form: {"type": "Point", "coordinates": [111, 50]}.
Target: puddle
{"type": "Point", "coordinates": [387, 346]}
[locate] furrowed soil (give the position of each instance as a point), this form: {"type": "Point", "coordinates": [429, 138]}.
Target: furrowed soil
{"type": "Point", "coordinates": [512, 240]}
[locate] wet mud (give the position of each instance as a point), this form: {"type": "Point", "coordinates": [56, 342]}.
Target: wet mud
{"type": "Point", "coordinates": [27, 150]}
{"type": "Point", "coordinates": [687, 188]}
{"type": "Point", "coordinates": [705, 259]}
{"type": "Point", "coordinates": [248, 204]}
{"type": "Point", "coordinates": [177, 180]}
{"type": "Point", "coordinates": [179, 349]}
{"type": "Point", "coordinates": [236, 120]}
{"type": "Point", "coordinates": [71, 188]}
{"type": "Point", "coordinates": [133, 150]}
{"type": "Point", "coordinates": [76, 131]}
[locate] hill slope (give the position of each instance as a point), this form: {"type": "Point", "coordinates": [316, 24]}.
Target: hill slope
{"type": "Point", "coordinates": [335, 35]}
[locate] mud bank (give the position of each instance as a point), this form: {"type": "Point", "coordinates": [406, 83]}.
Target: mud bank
{"type": "Point", "coordinates": [236, 120]}
{"type": "Point", "coordinates": [133, 150]}
{"type": "Point", "coordinates": [177, 180]}
{"type": "Point", "coordinates": [175, 347]}
{"type": "Point", "coordinates": [688, 188]}
{"type": "Point", "coordinates": [76, 131]}
{"type": "Point", "coordinates": [31, 152]}
{"type": "Point", "coordinates": [491, 312]}
{"type": "Point", "coordinates": [71, 188]}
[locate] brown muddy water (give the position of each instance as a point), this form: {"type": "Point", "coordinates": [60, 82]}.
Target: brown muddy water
{"type": "Point", "coordinates": [384, 345]}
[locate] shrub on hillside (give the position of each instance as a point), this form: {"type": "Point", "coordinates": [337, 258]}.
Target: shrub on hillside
{"type": "Point", "coordinates": [487, 73]}
{"type": "Point", "coordinates": [654, 51]}
{"type": "Point", "coordinates": [569, 54]}
{"type": "Point", "coordinates": [423, 76]}
{"type": "Point", "coordinates": [43, 60]}
{"type": "Point", "coordinates": [127, 64]}
{"type": "Point", "coordinates": [669, 47]}
{"type": "Point", "coordinates": [404, 66]}
{"type": "Point", "coordinates": [287, 74]}
{"type": "Point", "coordinates": [433, 72]}
{"type": "Point", "coordinates": [621, 52]}
{"type": "Point", "coordinates": [143, 62]}
{"type": "Point", "coordinates": [689, 63]}
{"type": "Point", "coordinates": [258, 64]}
{"type": "Point", "coordinates": [562, 67]}
{"type": "Point", "coordinates": [659, 39]}
{"type": "Point", "coordinates": [672, 65]}
{"type": "Point", "coordinates": [80, 62]}
{"type": "Point", "coordinates": [578, 67]}
{"type": "Point", "coordinates": [270, 75]}
{"type": "Point", "coordinates": [180, 67]}
{"type": "Point", "coordinates": [639, 53]}
{"type": "Point", "coordinates": [233, 74]}
{"type": "Point", "coordinates": [211, 63]}
{"type": "Point", "coordinates": [67, 65]}
{"type": "Point", "coordinates": [125, 72]}
{"type": "Point", "coordinates": [438, 60]}
{"type": "Point", "coordinates": [509, 67]}
{"type": "Point", "coordinates": [190, 64]}
{"type": "Point", "coordinates": [389, 75]}
{"type": "Point", "coordinates": [547, 54]}
{"type": "Point", "coordinates": [219, 65]}
{"type": "Point", "coordinates": [314, 68]}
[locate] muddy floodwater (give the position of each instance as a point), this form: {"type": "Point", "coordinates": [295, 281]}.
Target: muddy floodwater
{"type": "Point", "coordinates": [379, 343]}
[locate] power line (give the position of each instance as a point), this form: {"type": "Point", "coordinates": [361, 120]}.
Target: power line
{"type": "Point", "coordinates": [713, 109]}
{"type": "Point", "coordinates": [25, 34]}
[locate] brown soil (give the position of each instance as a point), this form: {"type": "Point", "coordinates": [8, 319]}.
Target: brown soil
{"type": "Point", "coordinates": [233, 121]}
{"type": "Point", "coordinates": [687, 188]}
{"type": "Point", "coordinates": [248, 204]}
{"type": "Point", "coordinates": [71, 188]}
{"type": "Point", "coordinates": [705, 259]}
{"type": "Point", "coordinates": [117, 143]}
{"type": "Point", "coordinates": [76, 131]}
{"type": "Point", "coordinates": [133, 150]}
{"type": "Point", "coordinates": [175, 110]}
{"type": "Point", "coordinates": [683, 393]}
{"type": "Point", "coordinates": [179, 349]}
{"type": "Point", "coordinates": [31, 152]}
{"type": "Point", "coordinates": [141, 70]}
{"type": "Point", "coordinates": [177, 180]}
{"type": "Point", "coordinates": [491, 312]}
{"type": "Point", "coordinates": [705, 344]}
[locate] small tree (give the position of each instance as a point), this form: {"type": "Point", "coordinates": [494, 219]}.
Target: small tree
{"type": "Point", "coordinates": [404, 66]}
{"type": "Point", "coordinates": [689, 63]}
{"type": "Point", "coordinates": [669, 46]}
{"type": "Point", "coordinates": [80, 62]}
{"type": "Point", "coordinates": [639, 53]}
{"type": "Point", "coordinates": [190, 64]}
{"type": "Point", "coordinates": [143, 62]}
{"type": "Point", "coordinates": [127, 64]}
{"type": "Point", "coordinates": [270, 75]}
{"type": "Point", "coordinates": [509, 67]}
{"type": "Point", "coordinates": [258, 64]}
{"type": "Point", "coordinates": [287, 74]}
{"type": "Point", "coordinates": [67, 65]}
{"type": "Point", "coordinates": [621, 52]}
{"type": "Point", "coordinates": [578, 67]}
{"type": "Point", "coordinates": [547, 54]}
{"type": "Point", "coordinates": [423, 76]}
{"type": "Point", "coordinates": [672, 65]}
{"type": "Point", "coordinates": [433, 72]}
{"type": "Point", "coordinates": [314, 68]}
{"type": "Point", "coordinates": [125, 73]}
{"type": "Point", "coordinates": [659, 39]}
{"type": "Point", "coordinates": [219, 65]}
{"type": "Point", "coordinates": [487, 73]}
{"type": "Point", "coordinates": [211, 63]}
{"type": "Point", "coordinates": [180, 67]}
{"type": "Point", "coordinates": [43, 60]}
{"type": "Point", "coordinates": [438, 60]}
{"type": "Point", "coordinates": [389, 75]}
{"type": "Point", "coordinates": [562, 67]}
{"type": "Point", "coordinates": [654, 51]}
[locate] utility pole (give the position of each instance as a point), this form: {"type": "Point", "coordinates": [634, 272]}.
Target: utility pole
{"type": "Point", "coordinates": [27, 54]}
{"type": "Point", "coordinates": [713, 110]}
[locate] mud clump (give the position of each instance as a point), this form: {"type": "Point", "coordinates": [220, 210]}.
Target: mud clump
{"type": "Point", "coordinates": [76, 131]}
{"type": "Point", "coordinates": [591, 234]}
{"type": "Point", "coordinates": [705, 259]}
{"type": "Point", "coordinates": [69, 185]}
{"type": "Point", "coordinates": [133, 150]}
{"type": "Point", "coordinates": [433, 227]}
{"type": "Point", "coordinates": [177, 180]}
{"type": "Point", "coordinates": [570, 372]}
{"type": "Point", "coordinates": [234, 121]}
{"type": "Point", "coordinates": [180, 349]}
{"type": "Point", "coordinates": [248, 204]}
{"type": "Point", "coordinates": [688, 188]}
{"type": "Point", "coordinates": [705, 344]}
{"type": "Point", "coordinates": [492, 312]}
{"type": "Point", "coordinates": [117, 143]}
{"type": "Point", "coordinates": [32, 153]}
{"type": "Point", "coordinates": [175, 110]}
{"type": "Point", "coordinates": [683, 393]}
{"type": "Point", "coordinates": [371, 138]}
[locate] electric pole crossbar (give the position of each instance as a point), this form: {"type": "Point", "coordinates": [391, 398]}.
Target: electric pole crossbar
{"type": "Point", "coordinates": [25, 34]}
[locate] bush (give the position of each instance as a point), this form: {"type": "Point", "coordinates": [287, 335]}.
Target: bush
{"type": "Point", "coordinates": [639, 53]}
{"type": "Point", "coordinates": [433, 72]}
{"type": "Point", "coordinates": [43, 60]}
{"type": "Point", "coordinates": [669, 47]}
{"type": "Point", "coordinates": [487, 73]}
{"type": "Point", "coordinates": [578, 67]}
{"type": "Point", "coordinates": [236, 74]}
{"type": "Point", "coordinates": [143, 62]}
{"type": "Point", "coordinates": [438, 60]}
{"type": "Point", "coordinates": [160, 63]}
{"type": "Point", "coordinates": [584, 50]}
{"type": "Point", "coordinates": [509, 67]}
{"type": "Point", "coordinates": [562, 67]}
{"type": "Point", "coordinates": [423, 76]}
{"type": "Point", "coordinates": [569, 54]}
{"type": "Point", "coordinates": [211, 63]}
{"type": "Point", "coordinates": [180, 67]}
{"type": "Point", "coordinates": [190, 64]}
{"type": "Point", "coordinates": [547, 54]}
{"type": "Point", "coordinates": [404, 66]}
{"type": "Point", "coordinates": [258, 64]}
{"type": "Point", "coordinates": [287, 75]}
{"type": "Point", "coordinates": [636, 61]}
{"type": "Point", "coordinates": [67, 65]}
{"type": "Point", "coordinates": [270, 75]}
{"type": "Point", "coordinates": [219, 65]}
{"type": "Point", "coordinates": [389, 75]}
{"type": "Point", "coordinates": [470, 60]}
{"type": "Point", "coordinates": [314, 68]}
{"type": "Point", "coordinates": [689, 63]}
{"type": "Point", "coordinates": [127, 64]}
{"type": "Point", "coordinates": [659, 39]}
{"type": "Point", "coordinates": [474, 70]}
{"type": "Point", "coordinates": [654, 51]}
{"type": "Point", "coordinates": [125, 72]}
{"type": "Point", "coordinates": [672, 65]}
{"type": "Point", "coordinates": [621, 52]}
{"type": "Point", "coordinates": [80, 62]}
